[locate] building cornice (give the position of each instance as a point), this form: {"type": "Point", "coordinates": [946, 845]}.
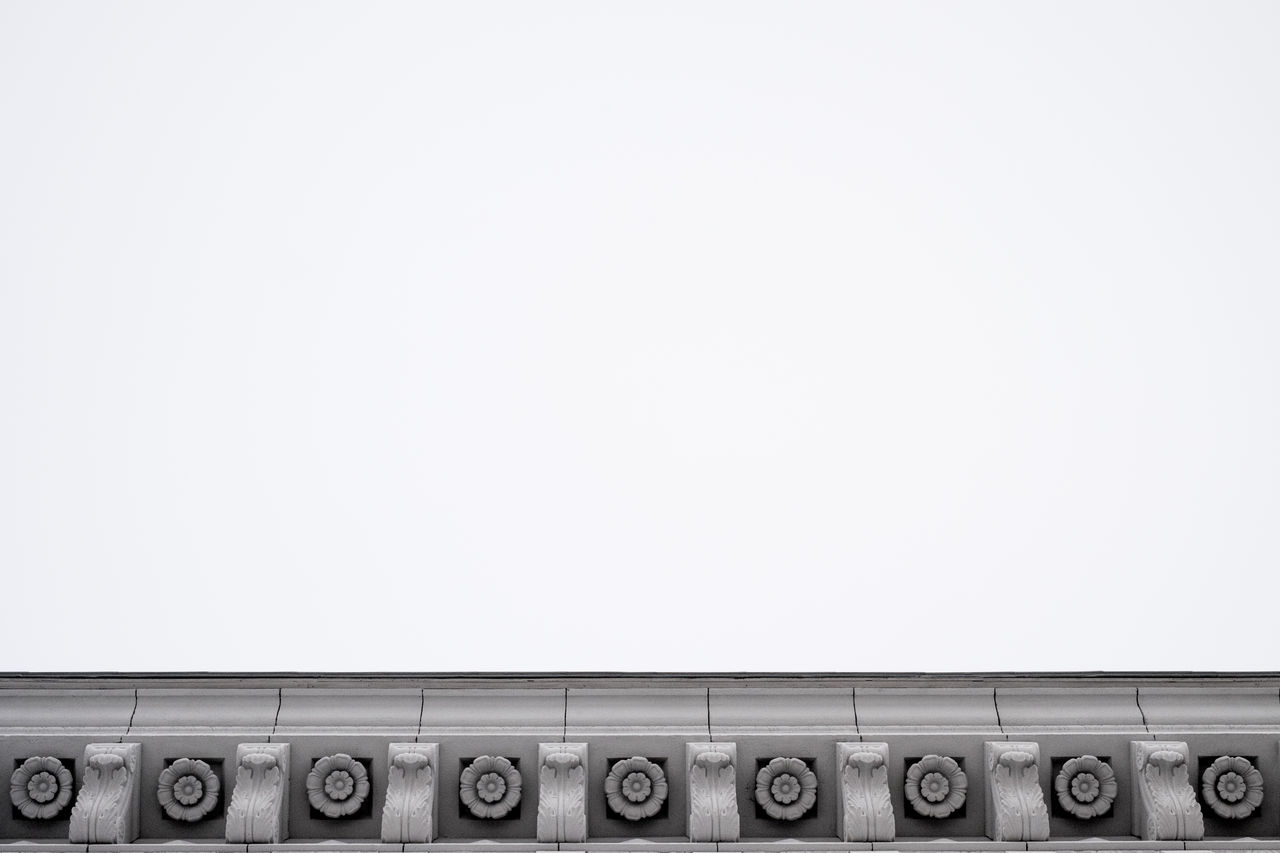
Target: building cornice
{"type": "Point", "coordinates": [743, 763]}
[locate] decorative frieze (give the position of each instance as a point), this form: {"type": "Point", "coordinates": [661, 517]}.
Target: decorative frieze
{"type": "Point", "coordinates": [258, 812]}
{"type": "Point", "coordinates": [411, 810]}
{"type": "Point", "coordinates": [911, 775]}
{"type": "Point", "coordinates": [713, 803]}
{"type": "Point", "coordinates": [562, 792]}
{"type": "Point", "coordinates": [865, 810]}
{"type": "Point", "coordinates": [1164, 803]}
{"type": "Point", "coordinates": [1015, 803]}
{"type": "Point", "coordinates": [106, 810]}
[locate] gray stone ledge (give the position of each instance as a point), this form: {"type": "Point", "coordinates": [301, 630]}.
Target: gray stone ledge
{"type": "Point", "coordinates": [653, 716]}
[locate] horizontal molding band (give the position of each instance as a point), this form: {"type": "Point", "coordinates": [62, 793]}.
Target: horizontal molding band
{"type": "Point", "coordinates": [678, 763]}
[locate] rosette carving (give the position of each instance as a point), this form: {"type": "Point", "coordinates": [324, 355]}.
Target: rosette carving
{"type": "Point", "coordinates": [562, 792]}
{"type": "Point", "coordinates": [1164, 804]}
{"type": "Point", "coordinates": [337, 785]}
{"type": "Point", "coordinates": [866, 812]}
{"type": "Point", "coordinates": [1015, 803]}
{"type": "Point", "coordinates": [936, 786]}
{"type": "Point", "coordinates": [1086, 787]}
{"type": "Point", "coordinates": [1232, 787]}
{"type": "Point", "coordinates": [257, 813]}
{"type": "Point", "coordinates": [41, 787]}
{"type": "Point", "coordinates": [490, 787]}
{"type": "Point", "coordinates": [106, 810]}
{"type": "Point", "coordinates": [188, 790]}
{"type": "Point", "coordinates": [713, 804]}
{"type": "Point", "coordinates": [635, 788]}
{"type": "Point", "coordinates": [409, 815]}
{"type": "Point", "coordinates": [786, 788]}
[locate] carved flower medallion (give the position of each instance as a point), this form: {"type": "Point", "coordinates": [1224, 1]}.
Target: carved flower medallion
{"type": "Point", "coordinates": [635, 788]}
{"type": "Point", "coordinates": [40, 788]}
{"type": "Point", "coordinates": [337, 785]}
{"type": "Point", "coordinates": [786, 788]}
{"type": "Point", "coordinates": [1086, 786]}
{"type": "Point", "coordinates": [936, 786]}
{"type": "Point", "coordinates": [490, 787]}
{"type": "Point", "coordinates": [1232, 787]}
{"type": "Point", "coordinates": [188, 789]}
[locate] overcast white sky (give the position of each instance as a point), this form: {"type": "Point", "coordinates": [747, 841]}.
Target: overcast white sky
{"type": "Point", "coordinates": [792, 336]}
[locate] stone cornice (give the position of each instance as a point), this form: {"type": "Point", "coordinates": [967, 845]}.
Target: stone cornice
{"type": "Point", "coordinates": [626, 679]}
{"type": "Point", "coordinates": [518, 762]}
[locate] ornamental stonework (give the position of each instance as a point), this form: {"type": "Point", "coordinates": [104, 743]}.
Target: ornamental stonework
{"type": "Point", "coordinates": [514, 763]}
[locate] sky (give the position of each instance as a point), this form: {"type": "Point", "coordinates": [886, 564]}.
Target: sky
{"type": "Point", "coordinates": [639, 336]}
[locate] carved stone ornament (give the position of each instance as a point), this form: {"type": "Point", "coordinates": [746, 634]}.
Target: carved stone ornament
{"type": "Point", "coordinates": [188, 790]}
{"type": "Point", "coordinates": [411, 810]}
{"type": "Point", "coordinates": [786, 788]}
{"type": "Point", "coordinates": [257, 813]}
{"type": "Point", "coordinates": [635, 788]}
{"type": "Point", "coordinates": [713, 802]}
{"type": "Point", "coordinates": [337, 785]}
{"type": "Point", "coordinates": [490, 787]}
{"type": "Point", "coordinates": [936, 786]}
{"type": "Point", "coordinates": [1232, 787]}
{"type": "Point", "coordinates": [562, 792]}
{"type": "Point", "coordinates": [41, 788]}
{"type": "Point", "coordinates": [1015, 802]}
{"type": "Point", "coordinates": [1086, 787]}
{"type": "Point", "coordinates": [106, 810]}
{"type": "Point", "coordinates": [1164, 803]}
{"type": "Point", "coordinates": [866, 810]}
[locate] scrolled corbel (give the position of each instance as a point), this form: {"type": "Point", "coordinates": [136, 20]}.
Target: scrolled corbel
{"type": "Point", "coordinates": [562, 792]}
{"type": "Point", "coordinates": [713, 803]}
{"type": "Point", "coordinates": [1015, 801]}
{"type": "Point", "coordinates": [411, 811]}
{"type": "Point", "coordinates": [866, 809]}
{"type": "Point", "coordinates": [258, 812]}
{"type": "Point", "coordinates": [106, 810]}
{"type": "Point", "coordinates": [1164, 803]}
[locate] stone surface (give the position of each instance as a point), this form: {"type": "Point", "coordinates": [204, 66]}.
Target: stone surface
{"type": "Point", "coordinates": [259, 808]}
{"type": "Point", "coordinates": [562, 792]}
{"type": "Point", "coordinates": [1164, 803]}
{"type": "Point", "coordinates": [1200, 709]}
{"type": "Point", "coordinates": [1015, 802]}
{"type": "Point", "coordinates": [411, 813]}
{"type": "Point", "coordinates": [107, 805]}
{"type": "Point", "coordinates": [713, 804]}
{"type": "Point", "coordinates": [1069, 709]}
{"type": "Point", "coordinates": [865, 808]}
{"type": "Point", "coordinates": [1157, 736]}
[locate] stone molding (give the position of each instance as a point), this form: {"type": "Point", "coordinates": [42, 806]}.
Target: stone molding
{"type": "Point", "coordinates": [828, 762]}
